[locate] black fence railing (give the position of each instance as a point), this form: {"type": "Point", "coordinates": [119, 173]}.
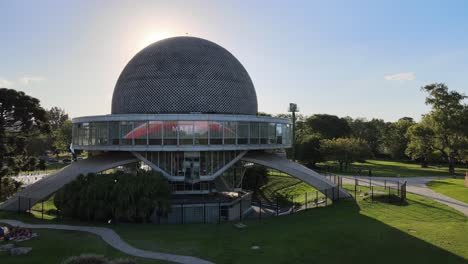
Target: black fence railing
{"type": "Point", "coordinates": [245, 207]}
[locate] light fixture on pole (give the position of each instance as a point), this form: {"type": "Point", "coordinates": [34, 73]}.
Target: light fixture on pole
{"type": "Point", "coordinates": [293, 109]}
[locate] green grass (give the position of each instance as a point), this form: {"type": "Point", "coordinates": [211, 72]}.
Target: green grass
{"type": "Point", "coordinates": [341, 233]}
{"type": "Point", "coordinates": [276, 181]}
{"type": "Point", "coordinates": [454, 188]}
{"type": "Point", "coordinates": [384, 168]}
{"type": "Point", "coordinates": [54, 246]}
{"type": "Point", "coordinates": [290, 188]}
{"type": "Point", "coordinates": [423, 231]}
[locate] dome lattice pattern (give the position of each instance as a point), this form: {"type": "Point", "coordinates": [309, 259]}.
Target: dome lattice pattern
{"type": "Point", "coordinates": [184, 75]}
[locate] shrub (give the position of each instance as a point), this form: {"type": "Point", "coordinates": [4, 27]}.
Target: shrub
{"type": "Point", "coordinates": [95, 259]}
{"type": "Point", "coordinates": [86, 259]}
{"type": "Point", "coordinates": [119, 196]}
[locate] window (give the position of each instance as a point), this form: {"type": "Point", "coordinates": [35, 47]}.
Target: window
{"type": "Point", "coordinates": [155, 129]}
{"type": "Point", "coordinates": [271, 133]}
{"type": "Point", "coordinates": [201, 132]}
{"type": "Point", "coordinates": [140, 133]}
{"type": "Point", "coordinates": [242, 133]}
{"type": "Point", "coordinates": [185, 132]}
{"type": "Point", "coordinates": [230, 132]}
{"type": "Point", "coordinates": [170, 132]}
{"type": "Point", "coordinates": [254, 133]}
{"type": "Point", "coordinates": [263, 133]}
{"type": "Point", "coordinates": [101, 133]}
{"type": "Point", "coordinates": [126, 134]}
{"type": "Point", "coordinates": [279, 133]}
{"type": "Point", "coordinates": [216, 133]}
{"type": "Point", "coordinates": [114, 132]}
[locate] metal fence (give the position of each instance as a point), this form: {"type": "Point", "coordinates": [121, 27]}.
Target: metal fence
{"type": "Point", "coordinates": [391, 190]}
{"type": "Point", "coordinates": [248, 207]}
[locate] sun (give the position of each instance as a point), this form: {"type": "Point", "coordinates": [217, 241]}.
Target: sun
{"type": "Point", "coordinates": [153, 37]}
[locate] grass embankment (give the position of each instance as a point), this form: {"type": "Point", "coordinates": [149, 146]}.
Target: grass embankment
{"type": "Point", "coordinates": [383, 168]}
{"type": "Point", "coordinates": [423, 231]}
{"type": "Point", "coordinates": [288, 188]}
{"type": "Point", "coordinates": [454, 188]}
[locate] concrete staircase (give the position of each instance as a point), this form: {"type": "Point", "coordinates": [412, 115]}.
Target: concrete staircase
{"type": "Point", "coordinates": [281, 163]}
{"type": "Point", "coordinates": [47, 186]}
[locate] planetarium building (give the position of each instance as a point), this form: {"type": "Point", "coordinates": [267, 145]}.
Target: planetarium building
{"type": "Point", "coordinates": [186, 108]}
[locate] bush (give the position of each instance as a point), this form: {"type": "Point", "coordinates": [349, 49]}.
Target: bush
{"type": "Point", "coordinates": [118, 196]}
{"type": "Point", "coordinates": [8, 187]}
{"type": "Point", "coordinates": [255, 177]}
{"type": "Point", "coordinates": [122, 261]}
{"type": "Point", "coordinates": [95, 259]}
{"type": "Point", "coordinates": [86, 259]}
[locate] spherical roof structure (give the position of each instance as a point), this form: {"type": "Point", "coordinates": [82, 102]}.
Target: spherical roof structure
{"type": "Point", "coordinates": [184, 75]}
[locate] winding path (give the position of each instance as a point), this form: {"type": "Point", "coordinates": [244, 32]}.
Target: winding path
{"type": "Point", "coordinates": [417, 185]}
{"type": "Point", "coordinates": [113, 239]}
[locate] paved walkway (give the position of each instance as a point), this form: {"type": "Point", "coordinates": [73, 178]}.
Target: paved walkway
{"type": "Point", "coordinates": [113, 239]}
{"type": "Point", "coordinates": [417, 185]}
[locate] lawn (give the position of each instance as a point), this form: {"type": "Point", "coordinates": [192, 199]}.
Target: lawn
{"type": "Point", "coordinates": [54, 246]}
{"type": "Point", "coordinates": [421, 232]}
{"type": "Point", "coordinates": [287, 187]}
{"type": "Point", "coordinates": [454, 188]}
{"type": "Point", "coordinates": [385, 168]}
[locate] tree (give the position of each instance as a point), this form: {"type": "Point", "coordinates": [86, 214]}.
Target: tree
{"type": "Point", "coordinates": [255, 177]}
{"type": "Point", "coordinates": [63, 136]}
{"type": "Point", "coordinates": [345, 150]}
{"type": "Point", "coordinates": [394, 137]}
{"type": "Point", "coordinates": [263, 114]}
{"type": "Point", "coordinates": [57, 117]}
{"type": "Point", "coordinates": [21, 117]}
{"type": "Point", "coordinates": [420, 142]}
{"type": "Point", "coordinates": [369, 131]}
{"type": "Point", "coordinates": [61, 127]}
{"type": "Point", "coordinates": [328, 126]}
{"type": "Point", "coordinates": [448, 122]}
{"type": "Point", "coordinates": [119, 196]}
{"type": "Point", "coordinates": [308, 149]}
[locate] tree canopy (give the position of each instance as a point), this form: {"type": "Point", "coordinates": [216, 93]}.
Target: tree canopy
{"type": "Point", "coordinates": [444, 129]}
{"type": "Point", "coordinates": [118, 196]}
{"type": "Point", "coordinates": [21, 117]}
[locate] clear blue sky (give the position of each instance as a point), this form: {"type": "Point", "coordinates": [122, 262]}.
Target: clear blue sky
{"type": "Point", "coordinates": [357, 58]}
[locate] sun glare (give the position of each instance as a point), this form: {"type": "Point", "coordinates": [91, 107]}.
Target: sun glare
{"type": "Point", "coordinates": [153, 37]}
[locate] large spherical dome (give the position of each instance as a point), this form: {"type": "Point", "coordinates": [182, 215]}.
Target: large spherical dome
{"type": "Point", "coordinates": [184, 75]}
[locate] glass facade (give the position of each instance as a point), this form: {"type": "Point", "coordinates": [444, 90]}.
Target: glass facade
{"type": "Point", "coordinates": [180, 133]}
{"type": "Point", "coordinates": [190, 164]}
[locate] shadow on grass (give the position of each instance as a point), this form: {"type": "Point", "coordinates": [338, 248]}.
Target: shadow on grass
{"type": "Point", "coordinates": [437, 183]}
{"type": "Point", "coordinates": [336, 234]}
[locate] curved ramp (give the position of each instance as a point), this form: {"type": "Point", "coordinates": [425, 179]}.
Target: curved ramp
{"type": "Point", "coordinates": [47, 186]}
{"type": "Point", "coordinates": [281, 163]}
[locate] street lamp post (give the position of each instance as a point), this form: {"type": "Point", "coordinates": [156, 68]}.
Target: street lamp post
{"type": "Point", "coordinates": [293, 109]}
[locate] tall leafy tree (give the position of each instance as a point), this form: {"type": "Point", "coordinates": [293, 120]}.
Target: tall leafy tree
{"type": "Point", "coordinates": [421, 141]}
{"type": "Point", "coordinates": [369, 131]}
{"type": "Point", "coordinates": [328, 126]}
{"type": "Point", "coordinates": [63, 136]}
{"type": "Point", "coordinates": [308, 149]}
{"type": "Point", "coordinates": [345, 150]}
{"type": "Point", "coordinates": [61, 127]}
{"type": "Point", "coordinates": [394, 137]}
{"type": "Point", "coordinates": [447, 122]}
{"type": "Point", "coordinates": [21, 116]}
{"type": "Point", "coordinates": [57, 117]}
